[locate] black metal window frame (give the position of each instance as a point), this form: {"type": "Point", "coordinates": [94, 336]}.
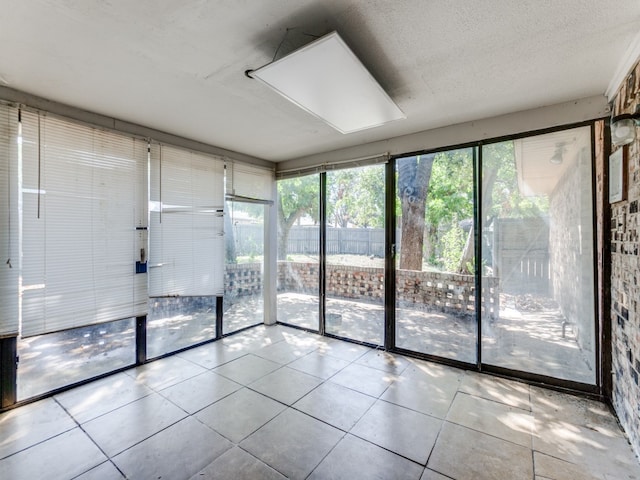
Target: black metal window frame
{"type": "Point", "coordinates": [600, 324]}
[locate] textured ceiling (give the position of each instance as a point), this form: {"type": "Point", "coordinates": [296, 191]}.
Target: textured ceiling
{"type": "Point", "coordinates": [178, 65]}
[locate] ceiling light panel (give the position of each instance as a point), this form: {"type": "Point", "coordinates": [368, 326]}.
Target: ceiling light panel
{"type": "Point", "coordinates": [326, 79]}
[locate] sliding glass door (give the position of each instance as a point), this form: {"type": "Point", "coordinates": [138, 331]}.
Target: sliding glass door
{"type": "Point", "coordinates": [298, 208]}
{"type": "Point", "coordinates": [435, 262]}
{"type": "Point", "coordinates": [244, 266]}
{"type": "Point", "coordinates": [494, 235]}
{"type": "Point", "coordinates": [538, 258]}
{"type": "Point", "coordinates": [355, 240]}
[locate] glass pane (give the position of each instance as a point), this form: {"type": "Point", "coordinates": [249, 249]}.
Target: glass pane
{"type": "Point", "coordinates": [243, 292]}
{"type": "Point", "coordinates": [435, 282]}
{"type": "Point", "coordinates": [355, 254]}
{"type": "Point", "coordinates": [298, 251]}
{"type": "Point", "coordinates": [537, 243]}
{"type": "Point", "coordinates": [58, 359]}
{"type": "Point", "coordinates": [178, 322]}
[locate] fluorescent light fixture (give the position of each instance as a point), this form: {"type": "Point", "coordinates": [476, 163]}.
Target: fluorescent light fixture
{"type": "Point", "coordinates": [326, 79]}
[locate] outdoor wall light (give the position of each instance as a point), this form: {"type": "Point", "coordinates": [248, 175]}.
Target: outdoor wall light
{"type": "Point", "coordinates": [623, 128]}
{"type": "Point", "coordinates": [326, 79]}
{"type": "Point", "coordinates": [557, 157]}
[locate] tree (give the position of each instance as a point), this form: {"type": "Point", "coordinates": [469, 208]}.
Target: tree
{"type": "Point", "coordinates": [449, 206]}
{"type": "Point", "coordinates": [355, 197]}
{"type": "Point", "coordinates": [296, 197]}
{"type": "Point", "coordinates": [414, 174]}
{"type": "Point", "coordinates": [501, 193]}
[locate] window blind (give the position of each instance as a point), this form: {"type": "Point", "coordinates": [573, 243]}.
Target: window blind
{"type": "Point", "coordinates": [330, 166]}
{"type": "Point", "coordinates": [9, 253]}
{"type": "Point", "coordinates": [186, 241]}
{"type": "Point", "coordinates": [248, 182]}
{"type": "Point", "coordinates": [83, 225]}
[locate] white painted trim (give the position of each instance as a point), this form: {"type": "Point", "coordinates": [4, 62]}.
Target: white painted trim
{"type": "Point", "coordinates": [18, 97]}
{"type": "Point", "coordinates": [576, 111]}
{"type": "Point", "coordinates": [270, 278]}
{"type": "Point", "coordinates": [628, 60]}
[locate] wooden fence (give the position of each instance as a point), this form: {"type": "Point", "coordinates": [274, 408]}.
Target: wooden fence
{"type": "Point", "coordinates": [521, 255]}
{"type": "Point", "coordinates": [305, 240]}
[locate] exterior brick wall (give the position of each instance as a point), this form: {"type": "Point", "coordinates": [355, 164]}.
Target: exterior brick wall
{"type": "Point", "coordinates": [447, 292]}
{"type": "Point", "coordinates": [242, 279]}
{"type": "Point", "coordinates": [625, 278]}
{"type": "Point", "coordinates": [571, 251]}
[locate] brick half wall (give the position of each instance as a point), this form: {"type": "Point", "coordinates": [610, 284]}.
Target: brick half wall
{"type": "Point", "coordinates": [446, 292]}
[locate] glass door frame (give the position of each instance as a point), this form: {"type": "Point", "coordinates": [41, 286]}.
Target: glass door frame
{"type": "Point", "coordinates": [601, 321]}
{"type": "Point", "coordinates": [390, 338]}
{"type": "Point", "coordinates": [600, 324]}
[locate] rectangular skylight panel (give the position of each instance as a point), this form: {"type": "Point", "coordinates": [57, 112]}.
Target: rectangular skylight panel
{"type": "Point", "coordinates": [326, 79]}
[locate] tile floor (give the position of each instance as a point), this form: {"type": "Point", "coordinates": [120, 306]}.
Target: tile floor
{"type": "Point", "coordinates": [274, 402]}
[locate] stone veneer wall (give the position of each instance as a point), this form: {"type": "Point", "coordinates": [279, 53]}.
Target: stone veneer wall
{"type": "Point", "coordinates": [446, 292]}
{"type": "Point", "coordinates": [625, 278]}
{"type": "Point", "coordinates": [571, 251]}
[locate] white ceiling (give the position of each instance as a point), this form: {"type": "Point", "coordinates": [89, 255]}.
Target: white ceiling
{"type": "Point", "coordinates": [178, 65]}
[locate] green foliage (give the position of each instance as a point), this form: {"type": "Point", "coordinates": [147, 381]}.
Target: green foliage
{"type": "Point", "coordinates": [506, 200]}
{"type": "Point", "coordinates": [449, 201]}
{"type": "Point", "coordinates": [297, 197]}
{"type": "Point", "coordinates": [355, 197]}
{"type": "Point", "coordinates": [253, 210]}
{"type": "Point", "coordinates": [451, 244]}
{"type": "Point", "coordinates": [450, 194]}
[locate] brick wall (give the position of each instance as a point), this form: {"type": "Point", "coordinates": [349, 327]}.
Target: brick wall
{"type": "Point", "coordinates": [571, 250]}
{"type": "Point", "coordinates": [447, 292]}
{"type": "Point", "coordinates": [242, 279]}
{"type": "Point", "coordinates": [625, 278]}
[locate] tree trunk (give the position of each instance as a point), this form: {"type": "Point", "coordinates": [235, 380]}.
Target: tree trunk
{"type": "Point", "coordinates": [467, 254]}
{"type": "Point", "coordinates": [429, 241]}
{"type": "Point", "coordinates": [283, 240]}
{"type": "Point", "coordinates": [284, 227]}
{"type": "Point", "coordinates": [488, 183]}
{"type": "Point", "coordinates": [489, 176]}
{"type": "Point", "coordinates": [412, 235]}
{"type": "Point", "coordinates": [413, 184]}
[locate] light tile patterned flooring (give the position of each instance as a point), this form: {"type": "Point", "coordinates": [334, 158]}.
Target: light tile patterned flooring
{"type": "Point", "coordinates": [274, 402]}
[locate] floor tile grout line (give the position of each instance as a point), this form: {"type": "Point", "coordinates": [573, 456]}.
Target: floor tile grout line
{"type": "Point", "coordinates": [233, 443]}
{"type": "Point", "coordinates": [489, 435]}
{"type": "Point", "coordinates": [431, 415]}
{"type": "Point", "coordinates": [187, 415]}
{"type": "Point", "coordinates": [71, 417]}
{"type": "Point", "coordinates": [327, 454]}
{"type": "Point", "coordinates": [323, 381]}
{"type": "Point", "coordinates": [529, 412]}
{"type": "Point", "coordinates": [261, 461]}
{"type": "Point", "coordinates": [349, 432]}
{"type": "Point", "coordinates": [211, 368]}
{"type": "Point", "coordinates": [119, 406]}
{"type": "Point", "coordinates": [79, 425]}
{"type": "Point", "coordinates": [387, 449]}
{"type": "Point", "coordinates": [206, 406]}
{"type": "Point", "coordinates": [40, 442]}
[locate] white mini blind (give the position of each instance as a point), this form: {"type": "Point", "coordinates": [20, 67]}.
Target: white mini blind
{"type": "Point", "coordinates": [9, 252]}
{"type": "Point", "coordinates": [334, 165]}
{"type": "Point", "coordinates": [186, 237]}
{"type": "Point", "coordinates": [83, 225]}
{"type": "Point", "coordinates": [245, 181]}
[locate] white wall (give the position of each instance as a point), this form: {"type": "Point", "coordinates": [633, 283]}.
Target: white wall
{"type": "Point", "coordinates": [525, 121]}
